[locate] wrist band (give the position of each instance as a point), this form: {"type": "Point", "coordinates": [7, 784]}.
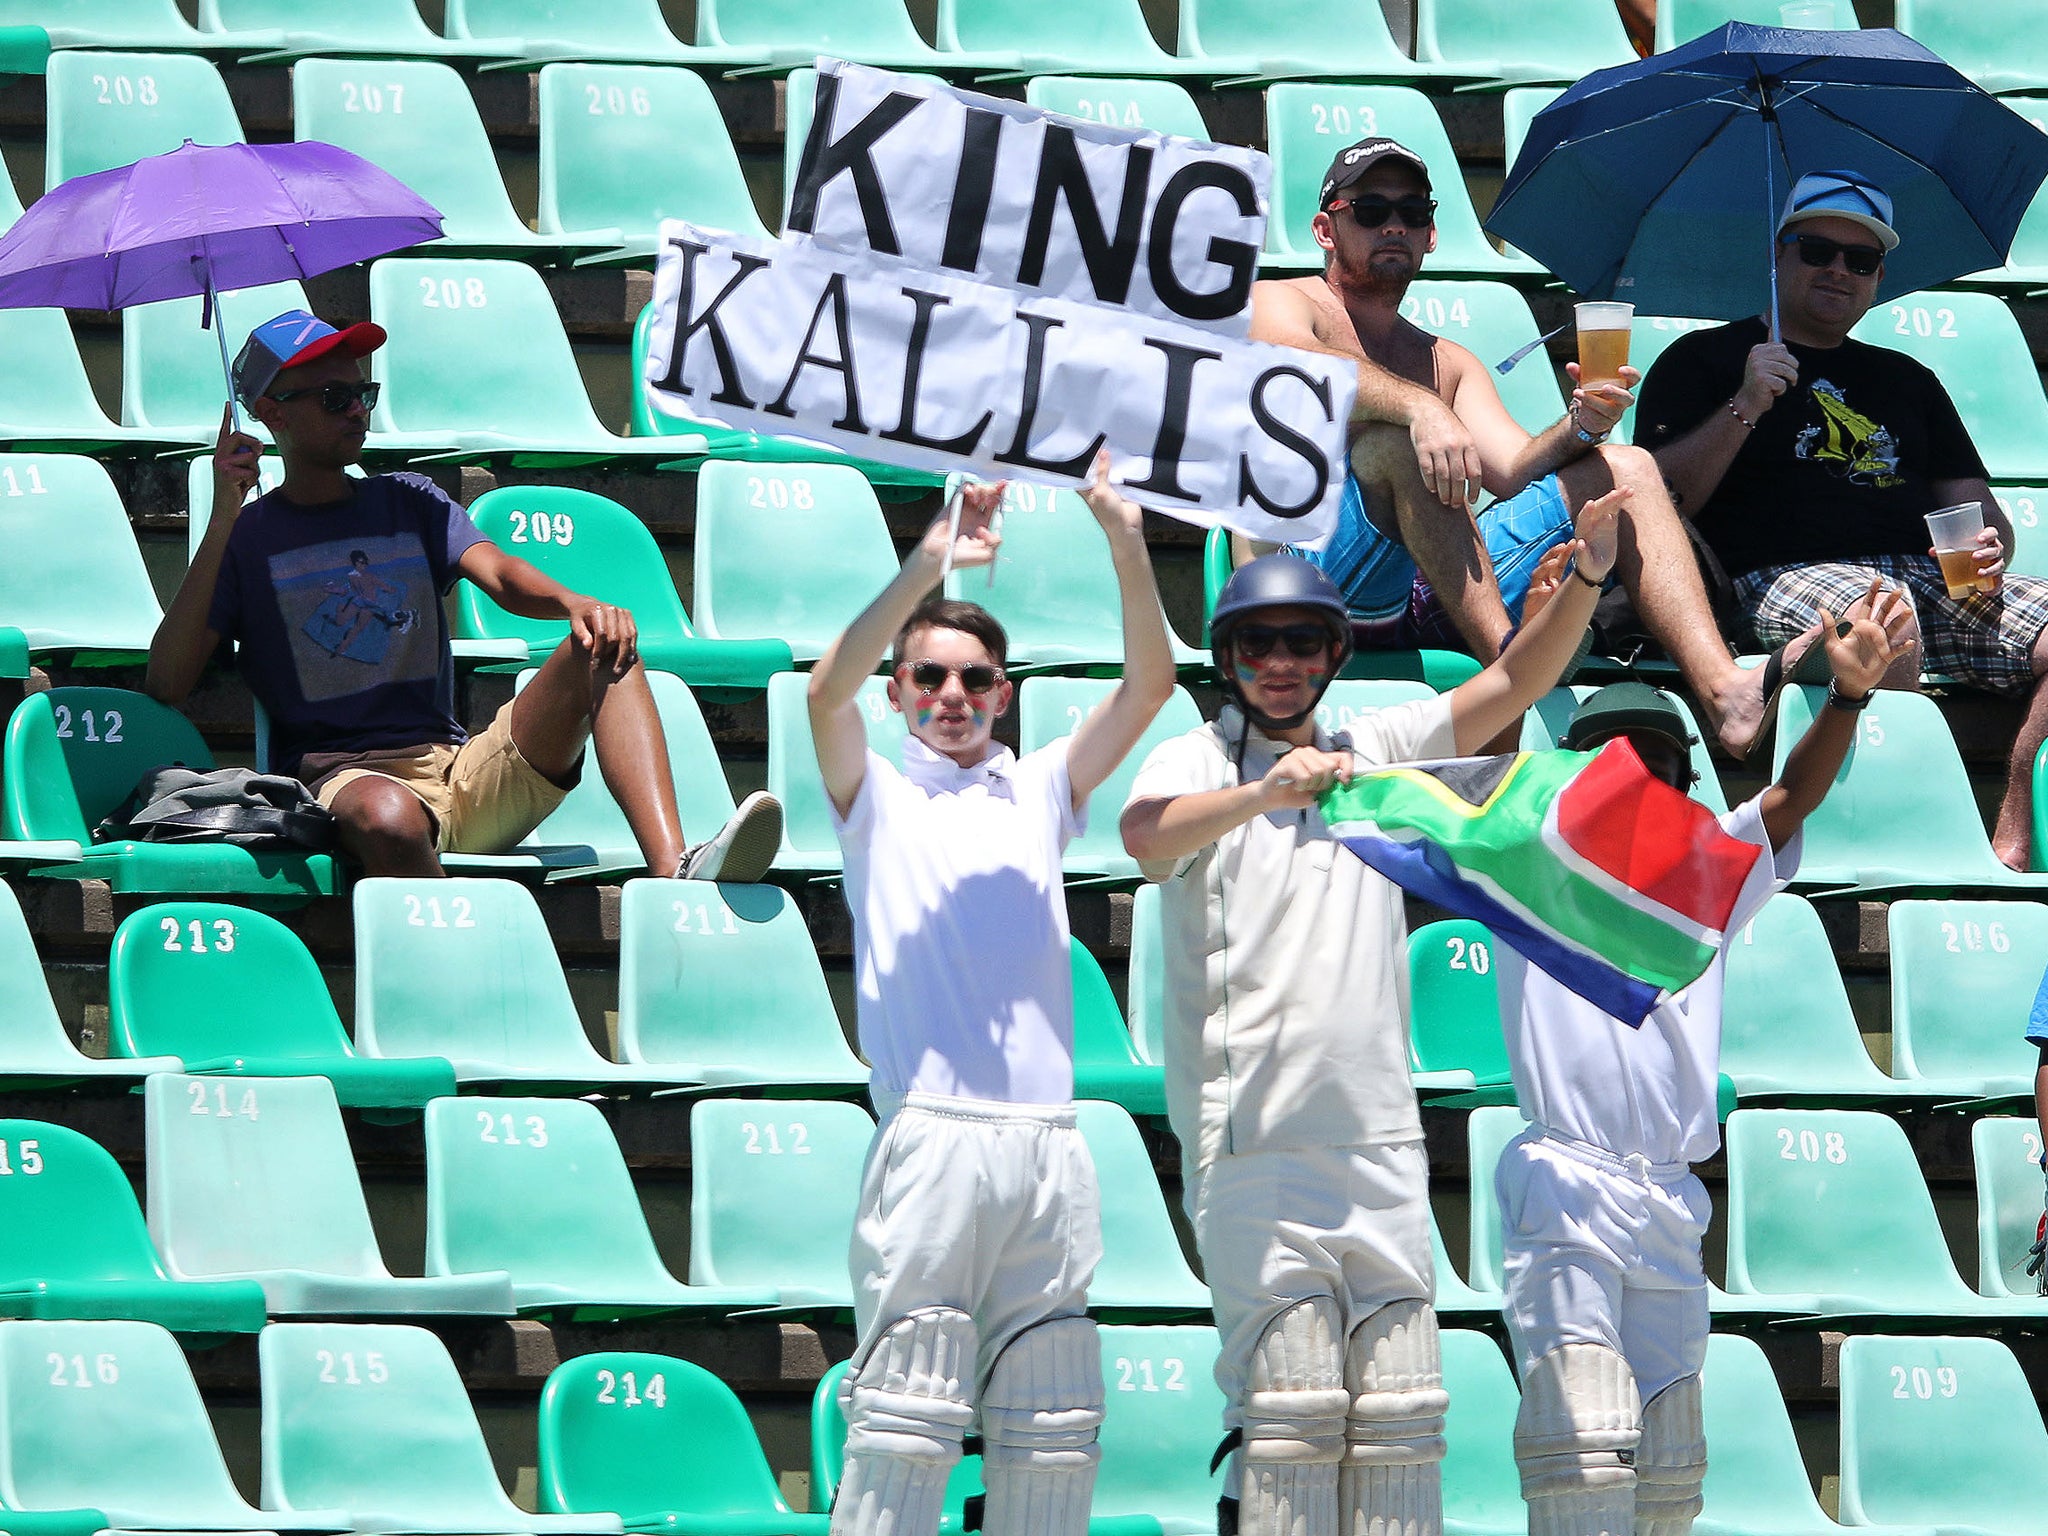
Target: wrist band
{"type": "Point", "coordinates": [1840, 700]}
{"type": "Point", "coordinates": [1597, 583]}
{"type": "Point", "coordinates": [1739, 416]}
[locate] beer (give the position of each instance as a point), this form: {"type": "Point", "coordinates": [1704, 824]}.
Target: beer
{"type": "Point", "coordinates": [1603, 340]}
{"type": "Point", "coordinates": [1601, 356]}
{"type": "Point", "coordinates": [1959, 570]}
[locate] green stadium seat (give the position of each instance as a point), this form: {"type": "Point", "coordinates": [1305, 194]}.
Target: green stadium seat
{"type": "Point", "coordinates": [538, 1189]}
{"type": "Point", "coordinates": [448, 376]}
{"type": "Point", "coordinates": [1544, 725]}
{"type": "Point", "coordinates": [1051, 707]}
{"type": "Point", "coordinates": [662, 1443]}
{"type": "Point", "coordinates": [1556, 42]}
{"type": "Point", "coordinates": [1307, 124]}
{"type": "Point", "coordinates": [1349, 698]}
{"type": "Point", "coordinates": [722, 983]}
{"type": "Point", "coordinates": [255, 1181]}
{"type": "Point", "coordinates": [74, 585]}
{"type": "Point", "coordinates": [1055, 589]}
{"type": "Point", "coordinates": [1518, 108]}
{"type": "Point", "coordinates": [1161, 105]}
{"type": "Point", "coordinates": [593, 545]}
{"type": "Point", "coordinates": [119, 24]}
{"type": "Point", "coordinates": [790, 552]}
{"type": "Point", "coordinates": [466, 968]}
{"type": "Point", "coordinates": [694, 440]}
{"type": "Point", "coordinates": [123, 1390]}
{"type": "Point", "coordinates": [1680, 21]}
{"type": "Point", "coordinates": [232, 992]}
{"type": "Point", "coordinates": [416, 119]}
{"type": "Point", "coordinates": [1831, 1202]}
{"type": "Point", "coordinates": [46, 401]}
{"type": "Point", "coordinates": [373, 29]}
{"type": "Point", "coordinates": [1482, 1487]}
{"type": "Point", "coordinates": [1493, 320]}
{"type": "Point", "coordinates": [1974, 342]}
{"type": "Point", "coordinates": [1787, 1030]}
{"type": "Point", "coordinates": [1962, 973]}
{"type": "Point", "coordinates": [602, 125]}
{"type": "Point", "coordinates": [808, 842]}
{"type": "Point", "coordinates": [1147, 982]}
{"type": "Point", "coordinates": [1901, 816]}
{"type": "Point", "coordinates": [73, 755]}
{"type": "Point", "coordinates": [109, 109]}
{"type": "Point", "coordinates": [1649, 335]}
{"type": "Point", "coordinates": [1072, 37]}
{"type": "Point", "coordinates": [2025, 505]}
{"type": "Point", "coordinates": [1977, 37]}
{"type": "Point", "coordinates": [1941, 1431]}
{"type": "Point", "coordinates": [620, 32]}
{"type": "Point", "coordinates": [1106, 1063]}
{"type": "Point", "coordinates": [35, 1049]}
{"type": "Point", "coordinates": [1162, 1416]}
{"type": "Point", "coordinates": [73, 1243]}
{"type": "Point", "coordinates": [171, 383]}
{"type": "Point", "coordinates": [1757, 1483]}
{"type": "Point", "coordinates": [828, 1457]}
{"type": "Point", "coordinates": [774, 1187]}
{"type": "Point", "coordinates": [2007, 1152]}
{"type": "Point", "coordinates": [877, 32]}
{"type": "Point", "coordinates": [1455, 1043]}
{"type": "Point", "coordinates": [1142, 1269]}
{"type": "Point", "coordinates": [373, 1418]}
{"type": "Point", "coordinates": [1453, 1296]}
{"type": "Point", "coordinates": [56, 1522]}
{"type": "Point", "coordinates": [1301, 38]}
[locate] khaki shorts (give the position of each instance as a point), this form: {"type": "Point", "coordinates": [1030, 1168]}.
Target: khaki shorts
{"type": "Point", "coordinates": [483, 795]}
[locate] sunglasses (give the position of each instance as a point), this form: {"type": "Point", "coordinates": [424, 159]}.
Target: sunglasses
{"type": "Point", "coordinates": [1373, 212]}
{"type": "Point", "coordinates": [336, 399]}
{"type": "Point", "coordinates": [930, 676]}
{"type": "Point", "coordinates": [1820, 251]}
{"type": "Point", "coordinates": [1256, 641]}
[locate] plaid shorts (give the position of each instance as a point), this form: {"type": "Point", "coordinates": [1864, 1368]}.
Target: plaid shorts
{"type": "Point", "coordinates": [1987, 640]}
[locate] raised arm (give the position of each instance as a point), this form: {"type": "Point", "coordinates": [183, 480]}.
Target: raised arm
{"type": "Point", "coordinates": [1534, 660]}
{"type": "Point", "coordinates": [1113, 726]}
{"type": "Point", "coordinates": [183, 642]}
{"type": "Point", "coordinates": [839, 736]}
{"type": "Point", "coordinates": [1857, 658]}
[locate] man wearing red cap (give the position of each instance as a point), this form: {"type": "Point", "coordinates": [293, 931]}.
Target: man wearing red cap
{"type": "Point", "coordinates": [332, 586]}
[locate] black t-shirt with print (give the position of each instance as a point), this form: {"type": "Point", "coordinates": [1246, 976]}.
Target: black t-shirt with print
{"type": "Point", "coordinates": [1843, 465]}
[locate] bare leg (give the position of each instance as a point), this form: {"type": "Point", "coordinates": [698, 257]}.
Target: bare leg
{"type": "Point", "coordinates": [383, 826]}
{"type": "Point", "coordinates": [2013, 838]}
{"type": "Point", "coordinates": [569, 702]}
{"type": "Point", "coordinates": [1443, 541]}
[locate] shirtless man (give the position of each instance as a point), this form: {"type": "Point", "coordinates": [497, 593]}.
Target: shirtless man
{"type": "Point", "coordinates": [1416, 565]}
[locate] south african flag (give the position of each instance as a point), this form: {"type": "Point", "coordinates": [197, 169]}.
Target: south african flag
{"type": "Point", "coordinates": [1601, 874]}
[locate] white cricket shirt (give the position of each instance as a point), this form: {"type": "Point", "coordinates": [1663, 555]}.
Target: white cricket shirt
{"type": "Point", "coordinates": [960, 923]}
{"type": "Point", "coordinates": [1286, 956]}
{"type": "Point", "coordinates": [1587, 1075]}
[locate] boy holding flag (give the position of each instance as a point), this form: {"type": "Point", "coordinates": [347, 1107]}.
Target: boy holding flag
{"type": "Point", "coordinates": [1606, 1294]}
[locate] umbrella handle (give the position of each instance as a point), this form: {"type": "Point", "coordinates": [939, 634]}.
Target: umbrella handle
{"type": "Point", "coordinates": [209, 316]}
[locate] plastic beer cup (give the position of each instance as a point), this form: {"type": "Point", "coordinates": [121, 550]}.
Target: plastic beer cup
{"type": "Point", "coordinates": [1954, 531]}
{"type": "Point", "coordinates": [1603, 341]}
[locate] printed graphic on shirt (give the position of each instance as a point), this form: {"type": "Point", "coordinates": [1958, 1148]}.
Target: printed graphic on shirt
{"type": "Point", "coordinates": [353, 611]}
{"type": "Point", "coordinates": [1851, 445]}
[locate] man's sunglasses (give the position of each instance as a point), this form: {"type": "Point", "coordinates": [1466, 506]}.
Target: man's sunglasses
{"type": "Point", "coordinates": [1820, 251]}
{"type": "Point", "coordinates": [1256, 641]}
{"type": "Point", "coordinates": [1373, 212]}
{"type": "Point", "coordinates": [337, 398]}
{"type": "Point", "coordinates": [930, 676]}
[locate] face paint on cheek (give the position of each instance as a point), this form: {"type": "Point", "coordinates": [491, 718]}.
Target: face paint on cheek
{"type": "Point", "coordinates": [1245, 675]}
{"type": "Point", "coordinates": [924, 715]}
{"type": "Point", "coordinates": [977, 714]}
{"type": "Point", "coordinates": [1313, 676]}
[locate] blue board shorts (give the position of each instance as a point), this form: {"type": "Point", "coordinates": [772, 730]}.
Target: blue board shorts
{"type": "Point", "coordinates": [1392, 605]}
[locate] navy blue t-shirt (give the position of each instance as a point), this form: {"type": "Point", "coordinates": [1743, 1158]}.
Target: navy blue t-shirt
{"type": "Point", "coordinates": [338, 612]}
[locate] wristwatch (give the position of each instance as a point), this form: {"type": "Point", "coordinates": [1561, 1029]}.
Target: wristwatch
{"type": "Point", "coordinates": [1590, 439]}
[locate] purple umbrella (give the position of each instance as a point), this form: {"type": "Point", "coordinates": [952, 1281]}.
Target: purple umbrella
{"type": "Point", "coordinates": [205, 218]}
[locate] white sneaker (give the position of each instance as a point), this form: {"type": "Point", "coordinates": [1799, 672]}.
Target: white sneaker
{"type": "Point", "coordinates": [743, 848]}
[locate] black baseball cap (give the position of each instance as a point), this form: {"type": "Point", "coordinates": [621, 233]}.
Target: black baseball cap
{"type": "Point", "coordinates": [1352, 163]}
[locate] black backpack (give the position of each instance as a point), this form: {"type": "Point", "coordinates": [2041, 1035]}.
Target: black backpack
{"type": "Point", "coordinates": [176, 804]}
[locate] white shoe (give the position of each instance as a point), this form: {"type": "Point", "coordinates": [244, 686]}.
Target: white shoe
{"type": "Point", "coordinates": [743, 848]}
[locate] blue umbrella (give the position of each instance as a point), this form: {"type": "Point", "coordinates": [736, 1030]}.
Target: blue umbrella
{"type": "Point", "coordinates": [1660, 182]}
